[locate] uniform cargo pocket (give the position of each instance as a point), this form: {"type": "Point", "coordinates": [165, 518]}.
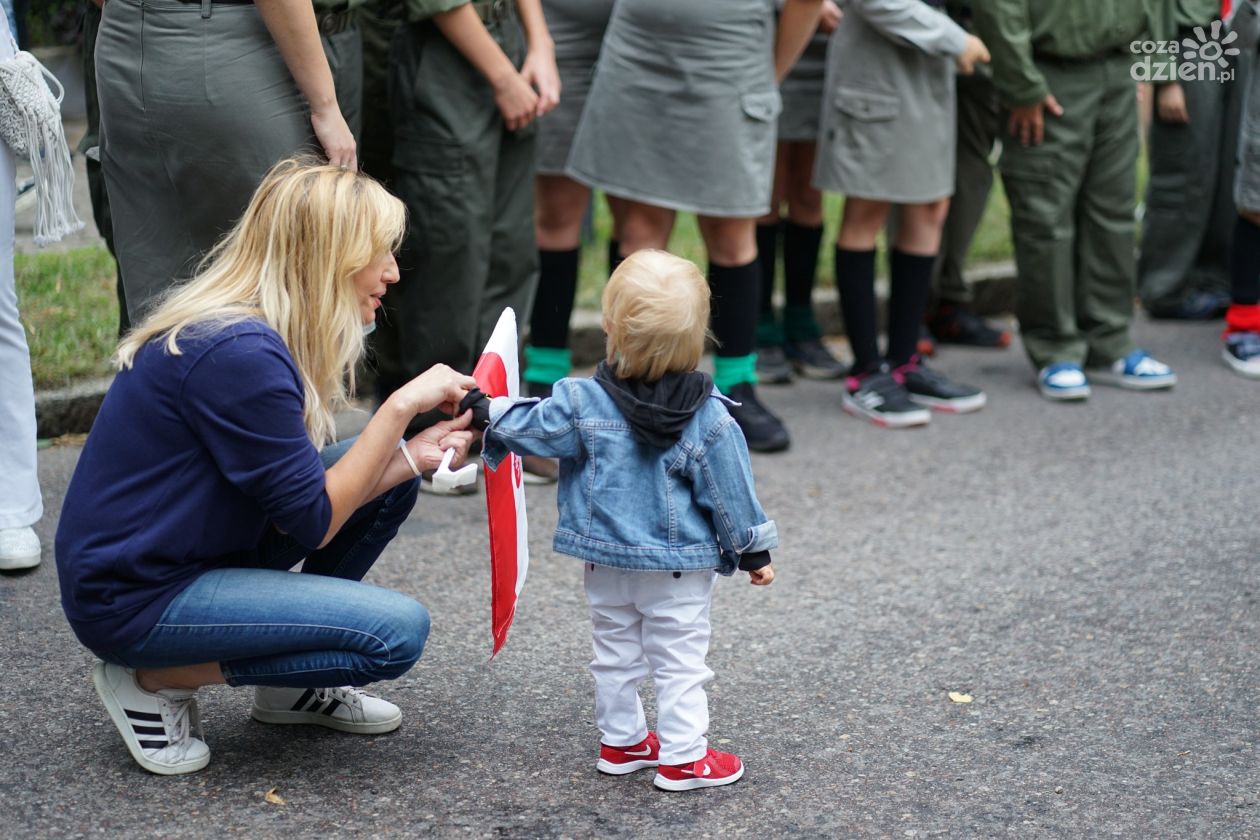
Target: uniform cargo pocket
{"type": "Point", "coordinates": [430, 157]}
{"type": "Point", "coordinates": [764, 106]}
{"type": "Point", "coordinates": [867, 105]}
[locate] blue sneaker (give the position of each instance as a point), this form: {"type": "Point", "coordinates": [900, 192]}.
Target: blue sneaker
{"type": "Point", "coordinates": [1138, 371]}
{"type": "Point", "coordinates": [1063, 381]}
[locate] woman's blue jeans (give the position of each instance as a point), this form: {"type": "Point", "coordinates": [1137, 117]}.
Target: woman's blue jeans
{"type": "Point", "coordinates": [265, 625]}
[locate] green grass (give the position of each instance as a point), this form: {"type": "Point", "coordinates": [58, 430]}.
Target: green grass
{"type": "Point", "coordinates": [69, 308]}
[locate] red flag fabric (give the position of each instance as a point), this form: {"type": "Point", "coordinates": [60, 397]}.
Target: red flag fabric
{"type": "Point", "coordinates": [498, 375]}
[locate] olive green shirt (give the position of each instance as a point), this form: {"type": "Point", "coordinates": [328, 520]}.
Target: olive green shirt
{"type": "Point", "coordinates": [1191, 13]}
{"type": "Point", "coordinates": [1016, 31]}
{"type": "Point", "coordinates": [418, 10]}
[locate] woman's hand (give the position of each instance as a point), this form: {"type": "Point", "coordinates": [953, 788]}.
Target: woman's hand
{"type": "Point", "coordinates": [335, 137]}
{"type": "Point", "coordinates": [429, 446]}
{"type": "Point", "coordinates": [438, 387]}
{"type": "Point", "coordinates": [539, 70]}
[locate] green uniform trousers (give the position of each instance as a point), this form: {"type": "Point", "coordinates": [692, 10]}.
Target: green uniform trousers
{"type": "Point", "coordinates": [468, 184]}
{"type": "Point", "coordinates": [979, 121]}
{"type": "Point", "coordinates": [1072, 199]}
{"type": "Point", "coordinates": [1190, 213]}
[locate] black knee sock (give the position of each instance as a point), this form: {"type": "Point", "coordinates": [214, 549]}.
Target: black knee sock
{"type": "Point", "coordinates": [734, 309]}
{"type": "Point", "coordinates": [553, 303]}
{"type": "Point", "coordinates": [907, 301]}
{"type": "Point", "coordinates": [614, 255]}
{"type": "Point", "coordinates": [800, 262]}
{"type": "Point", "coordinates": [1244, 263]}
{"type": "Point", "coordinates": [767, 255]}
{"type": "Point", "coordinates": [855, 281]}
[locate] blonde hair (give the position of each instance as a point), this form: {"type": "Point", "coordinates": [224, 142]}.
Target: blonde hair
{"type": "Point", "coordinates": [289, 262]}
{"type": "Point", "coordinates": [656, 315]}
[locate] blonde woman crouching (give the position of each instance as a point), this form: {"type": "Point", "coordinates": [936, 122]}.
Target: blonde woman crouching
{"type": "Point", "coordinates": [203, 482]}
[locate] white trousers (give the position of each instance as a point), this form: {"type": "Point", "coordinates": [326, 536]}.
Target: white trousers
{"type": "Point", "coordinates": [20, 502]}
{"type": "Point", "coordinates": [651, 623]}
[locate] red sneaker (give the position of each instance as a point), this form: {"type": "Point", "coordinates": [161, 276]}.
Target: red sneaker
{"type": "Point", "coordinates": [617, 761]}
{"type": "Point", "coordinates": [714, 770]}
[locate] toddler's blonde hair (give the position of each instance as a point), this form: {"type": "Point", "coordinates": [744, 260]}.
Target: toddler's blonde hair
{"type": "Point", "coordinates": [656, 315]}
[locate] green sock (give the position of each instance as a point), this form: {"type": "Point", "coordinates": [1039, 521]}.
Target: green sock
{"type": "Point", "coordinates": [547, 365]}
{"type": "Point", "coordinates": [799, 323]}
{"type": "Point", "coordinates": [769, 333]}
{"type": "Point", "coordinates": [729, 371]}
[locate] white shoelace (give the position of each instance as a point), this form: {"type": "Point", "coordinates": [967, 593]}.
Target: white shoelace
{"type": "Point", "coordinates": [181, 718]}
{"type": "Point", "coordinates": [346, 695]}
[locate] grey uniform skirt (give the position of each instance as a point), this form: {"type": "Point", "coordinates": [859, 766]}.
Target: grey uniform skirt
{"type": "Point", "coordinates": [887, 129]}
{"type": "Point", "coordinates": [682, 113]}
{"type": "Point", "coordinates": [802, 92]}
{"type": "Point", "coordinates": [577, 27]}
{"type": "Point", "coordinates": [193, 113]}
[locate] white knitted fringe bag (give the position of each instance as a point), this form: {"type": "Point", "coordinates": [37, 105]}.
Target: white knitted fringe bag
{"type": "Point", "coordinates": [30, 123]}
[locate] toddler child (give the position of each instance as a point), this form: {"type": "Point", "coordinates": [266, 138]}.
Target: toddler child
{"type": "Point", "coordinates": [655, 496]}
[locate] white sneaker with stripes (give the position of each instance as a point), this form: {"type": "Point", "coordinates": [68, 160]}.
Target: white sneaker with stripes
{"type": "Point", "coordinates": [346, 709]}
{"type": "Point", "coordinates": [158, 726]}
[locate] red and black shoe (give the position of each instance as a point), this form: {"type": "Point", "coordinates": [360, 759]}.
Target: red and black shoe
{"type": "Point", "coordinates": [714, 770]}
{"type": "Point", "coordinates": [617, 761]}
{"type": "Point", "coordinates": [953, 324]}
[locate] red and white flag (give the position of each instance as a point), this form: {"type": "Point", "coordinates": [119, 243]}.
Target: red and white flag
{"type": "Point", "coordinates": [498, 375]}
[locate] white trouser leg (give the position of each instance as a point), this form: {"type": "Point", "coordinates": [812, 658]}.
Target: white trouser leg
{"type": "Point", "coordinates": [618, 666]}
{"type": "Point", "coordinates": [676, 634]}
{"type": "Point", "coordinates": [20, 502]}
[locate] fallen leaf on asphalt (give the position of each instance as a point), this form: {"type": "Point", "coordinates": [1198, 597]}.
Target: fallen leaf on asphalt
{"type": "Point", "coordinates": [274, 798]}
{"type": "Point", "coordinates": [959, 697]}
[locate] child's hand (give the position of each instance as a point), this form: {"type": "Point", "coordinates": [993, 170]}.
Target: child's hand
{"type": "Point", "coordinates": [516, 100]}
{"type": "Point", "coordinates": [974, 53]}
{"type": "Point", "coordinates": [762, 577]}
{"type": "Point", "coordinates": [1170, 101]}
{"type": "Point", "coordinates": [539, 70]}
{"type": "Point", "coordinates": [830, 18]}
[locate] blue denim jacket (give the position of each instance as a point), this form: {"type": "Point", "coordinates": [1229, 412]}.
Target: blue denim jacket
{"type": "Point", "coordinates": [629, 505]}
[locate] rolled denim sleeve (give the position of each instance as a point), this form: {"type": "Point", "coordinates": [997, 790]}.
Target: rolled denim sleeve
{"type": "Point", "coordinates": [533, 427]}
{"type": "Point", "coordinates": [724, 487]}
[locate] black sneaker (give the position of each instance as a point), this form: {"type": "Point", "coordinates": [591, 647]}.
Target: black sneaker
{"type": "Point", "coordinates": [880, 398]}
{"type": "Point", "coordinates": [930, 388]}
{"type": "Point", "coordinates": [762, 430]}
{"type": "Point", "coordinates": [953, 324]}
{"type": "Point", "coordinates": [812, 360]}
{"type": "Point", "coordinates": [772, 366]}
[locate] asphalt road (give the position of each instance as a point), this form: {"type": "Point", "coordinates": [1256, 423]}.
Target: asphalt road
{"type": "Point", "coordinates": [1086, 573]}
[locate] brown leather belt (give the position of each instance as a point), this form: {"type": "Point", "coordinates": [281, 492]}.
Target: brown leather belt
{"type": "Point", "coordinates": [333, 23]}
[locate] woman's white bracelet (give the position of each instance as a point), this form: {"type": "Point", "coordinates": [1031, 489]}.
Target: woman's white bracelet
{"type": "Point", "coordinates": [411, 462]}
